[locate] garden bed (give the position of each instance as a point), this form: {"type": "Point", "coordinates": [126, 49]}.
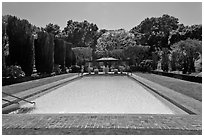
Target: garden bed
{"type": "Point", "coordinates": [10, 81]}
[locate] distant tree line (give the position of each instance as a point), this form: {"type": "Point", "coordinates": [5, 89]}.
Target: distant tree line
{"type": "Point", "coordinates": [175, 46]}
{"type": "Point", "coordinates": [157, 41]}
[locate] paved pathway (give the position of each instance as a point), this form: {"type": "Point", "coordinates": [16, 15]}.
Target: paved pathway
{"type": "Point", "coordinates": [143, 124]}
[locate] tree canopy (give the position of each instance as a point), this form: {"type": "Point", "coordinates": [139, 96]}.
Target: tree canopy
{"type": "Point", "coordinates": [80, 34]}
{"type": "Point", "coordinates": [155, 31]}
{"type": "Point", "coordinates": [53, 28]}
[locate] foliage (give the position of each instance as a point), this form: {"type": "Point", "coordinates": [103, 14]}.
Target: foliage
{"type": "Point", "coordinates": [155, 59]}
{"type": "Point", "coordinates": [137, 53]}
{"type": "Point", "coordinates": [53, 28]}
{"type": "Point", "coordinates": [60, 53]}
{"type": "Point", "coordinates": [165, 60]}
{"type": "Point", "coordinates": [21, 47]}
{"type": "Point", "coordinates": [70, 56]}
{"type": "Point", "coordinates": [112, 42]}
{"type": "Point", "coordinates": [44, 52]}
{"type": "Point", "coordinates": [198, 64]}
{"type": "Point", "coordinates": [145, 66]}
{"type": "Point", "coordinates": [155, 31]}
{"type": "Point", "coordinates": [57, 69]}
{"type": "Point", "coordinates": [82, 54]}
{"type": "Point", "coordinates": [80, 34]}
{"type": "Point", "coordinates": [13, 72]}
{"type": "Point", "coordinates": [185, 32]}
{"type": "Point", "coordinates": [75, 69]}
{"type": "Point", "coordinates": [186, 52]}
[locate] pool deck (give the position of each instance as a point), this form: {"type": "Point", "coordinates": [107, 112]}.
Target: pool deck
{"type": "Point", "coordinates": [107, 123]}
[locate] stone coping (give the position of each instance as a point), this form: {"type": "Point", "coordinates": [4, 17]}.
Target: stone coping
{"type": "Point", "coordinates": [188, 104]}
{"type": "Point", "coordinates": [37, 90]}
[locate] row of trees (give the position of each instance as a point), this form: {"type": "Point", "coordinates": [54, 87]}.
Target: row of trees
{"type": "Point", "coordinates": [159, 39]}
{"type": "Point", "coordinates": [29, 48]}
{"type": "Point", "coordinates": [171, 43]}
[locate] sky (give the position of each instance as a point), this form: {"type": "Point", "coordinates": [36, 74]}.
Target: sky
{"type": "Point", "coordinates": [106, 15]}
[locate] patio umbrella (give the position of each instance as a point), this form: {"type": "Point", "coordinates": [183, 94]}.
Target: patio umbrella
{"type": "Point", "coordinates": [106, 59]}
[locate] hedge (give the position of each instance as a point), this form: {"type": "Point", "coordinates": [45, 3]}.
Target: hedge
{"type": "Point", "coordinates": [70, 56]}
{"type": "Point", "coordinates": [44, 52]}
{"type": "Point", "coordinates": [21, 49]}
{"type": "Point", "coordinates": [59, 52]}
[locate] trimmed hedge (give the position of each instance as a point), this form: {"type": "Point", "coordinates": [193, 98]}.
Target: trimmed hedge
{"type": "Point", "coordinates": [44, 52]}
{"type": "Point", "coordinates": [21, 49]}
{"type": "Point", "coordinates": [59, 52]}
{"type": "Point", "coordinates": [70, 56]}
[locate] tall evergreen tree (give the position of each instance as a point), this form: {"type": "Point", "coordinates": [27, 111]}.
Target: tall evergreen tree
{"type": "Point", "coordinates": [21, 48]}
{"type": "Point", "coordinates": [44, 52]}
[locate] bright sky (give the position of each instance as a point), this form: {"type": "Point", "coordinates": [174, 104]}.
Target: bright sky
{"type": "Point", "coordinates": [106, 15]}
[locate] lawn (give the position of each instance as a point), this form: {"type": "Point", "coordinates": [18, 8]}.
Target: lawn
{"type": "Point", "coordinates": [16, 88]}
{"type": "Point", "coordinates": [190, 89]}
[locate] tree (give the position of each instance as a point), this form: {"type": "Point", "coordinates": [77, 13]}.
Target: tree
{"type": "Point", "coordinates": [4, 42]}
{"type": "Point", "coordinates": [60, 52]}
{"type": "Point", "coordinates": [165, 60]}
{"type": "Point", "coordinates": [185, 32]}
{"type": "Point", "coordinates": [21, 48]}
{"type": "Point", "coordinates": [82, 54]}
{"type": "Point", "coordinates": [44, 52]}
{"type": "Point", "coordinates": [80, 34]}
{"type": "Point", "coordinates": [70, 56]}
{"type": "Point", "coordinates": [137, 54]}
{"type": "Point", "coordinates": [187, 52]}
{"type": "Point", "coordinates": [53, 28]}
{"type": "Point", "coordinates": [111, 41]}
{"type": "Point", "coordinates": [154, 31]}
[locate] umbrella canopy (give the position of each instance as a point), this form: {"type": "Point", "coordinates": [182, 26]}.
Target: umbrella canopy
{"type": "Point", "coordinates": [107, 59]}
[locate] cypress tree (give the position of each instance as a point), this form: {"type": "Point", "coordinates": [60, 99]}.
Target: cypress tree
{"type": "Point", "coordinates": [20, 44]}
{"type": "Point", "coordinates": [44, 52]}
{"type": "Point", "coordinates": [59, 52]}
{"type": "Point", "coordinates": [68, 60]}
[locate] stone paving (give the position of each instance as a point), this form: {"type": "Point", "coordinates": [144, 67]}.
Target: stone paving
{"type": "Point", "coordinates": [109, 123]}
{"type": "Point", "coordinates": [102, 121]}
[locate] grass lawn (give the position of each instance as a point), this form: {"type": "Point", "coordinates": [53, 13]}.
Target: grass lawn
{"type": "Point", "coordinates": [16, 88]}
{"type": "Point", "coordinates": [190, 89]}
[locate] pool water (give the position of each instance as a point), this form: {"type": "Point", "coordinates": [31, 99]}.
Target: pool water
{"type": "Point", "coordinates": [102, 94]}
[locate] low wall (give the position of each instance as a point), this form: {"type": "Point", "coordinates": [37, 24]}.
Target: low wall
{"type": "Point", "coordinates": [179, 76]}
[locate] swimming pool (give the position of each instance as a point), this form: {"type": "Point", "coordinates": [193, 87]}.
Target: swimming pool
{"type": "Point", "coordinates": [103, 94]}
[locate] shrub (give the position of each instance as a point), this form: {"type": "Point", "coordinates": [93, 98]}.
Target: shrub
{"type": "Point", "coordinates": [75, 69]}
{"type": "Point", "coordinates": [187, 52]}
{"type": "Point", "coordinates": [145, 66]}
{"type": "Point", "coordinates": [13, 72]}
{"type": "Point", "coordinates": [57, 69]}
